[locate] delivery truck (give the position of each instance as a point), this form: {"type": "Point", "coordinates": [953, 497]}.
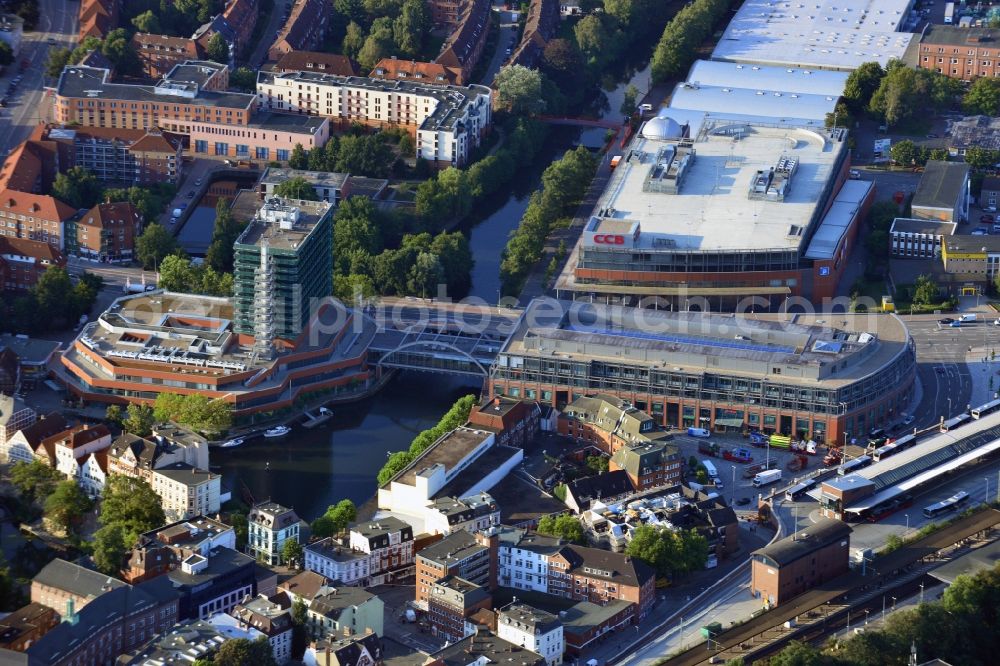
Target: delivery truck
{"type": "Point", "coordinates": [767, 478]}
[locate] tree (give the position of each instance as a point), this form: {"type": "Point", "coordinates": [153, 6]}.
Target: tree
{"type": "Point", "coordinates": [628, 101]}
{"type": "Point", "coordinates": [176, 274]}
{"type": "Point", "coordinates": [138, 420]}
{"type": "Point", "coordinates": [300, 627]}
{"type": "Point", "coordinates": [925, 290]}
{"type": "Point", "coordinates": [243, 78]}
{"type": "Point", "coordinates": [298, 158]}
{"type": "Point", "coordinates": [57, 61]}
{"type": "Point", "coordinates": [410, 27]}
{"type": "Point", "coordinates": [519, 89]}
{"type": "Point", "coordinates": [904, 152]}
{"type": "Point", "coordinates": [77, 187]}
{"type": "Point", "coordinates": [798, 653]}
{"type": "Point", "coordinates": [648, 544]}
{"type": "Point", "coordinates": [240, 525]}
{"type": "Point", "coordinates": [198, 412]}
{"type": "Point", "coordinates": [34, 480]}
{"type": "Point", "coordinates": [241, 651]}
{"type": "Point", "coordinates": [355, 228]}
{"type": "Point", "coordinates": [335, 520]}
{"type": "Point", "coordinates": [297, 188]}
{"type": "Point", "coordinates": [291, 552]}
{"type": "Point", "coordinates": [562, 526]}
{"type": "Point", "coordinates": [981, 158]}
{"type": "Point", "coordinates": [378, 45]}
{"type": "Point", "coordinates": [129, 507]}
{"type": "Point", "coordinates": [117, 47]}
{"type": "Point", "coordinates": [591, 37]}
{"type": "Point", "coordinates": [67, 505]}
{"type": "Point", "coordinates": [862, 84]}
{"type": "Point", "coordinates": [154, 245]}
{"type": "Point", "coordinates": [147, 22]}
{"type": "Point", "coordinates": [217, 49]}
{"type": "Point", "coordinates": [113, 415]}
{"type": "Point", "coordinates": [6, 54]}
{"type": "Point", "coordinates": [354, 41]}
{"type": "Point", "coordinates": [982, 97]}
{"type": "Point", "coordinates": [597, 464]}
{"type": "Point", "coordinates": [225, 231]}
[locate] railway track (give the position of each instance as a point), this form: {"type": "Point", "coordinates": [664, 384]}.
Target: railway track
{"type": "Point", "coordinates": [815, 613]}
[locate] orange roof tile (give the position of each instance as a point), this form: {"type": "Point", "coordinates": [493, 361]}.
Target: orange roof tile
{"type": "Point", "coordinates": [35, 205]}
{"type": "Point", "coordinates": [411, 70]}
{"type": "Point", "coordinates": [108, 215]}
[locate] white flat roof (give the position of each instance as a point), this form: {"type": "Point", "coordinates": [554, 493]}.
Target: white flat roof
{"type": "Point", "coordinates": [801, 108]}
{"type": "Point", "coordinates": [712, 210]}
{"type": "Point", "coordinates": [836, 221]}
{"type": "Point", "coordinates": [827, 34]}
{"type": "Point", "coordinates": [763, 77]}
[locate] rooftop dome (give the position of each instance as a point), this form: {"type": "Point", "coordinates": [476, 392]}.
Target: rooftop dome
{"type": "Point", "coordinates": [662, 127]}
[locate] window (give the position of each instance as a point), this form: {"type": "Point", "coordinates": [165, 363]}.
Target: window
{"type": "Point", "coordinates": [242, 150]}
{"type": "Point", "coordinates": [283, 155]}
{"type": "Point", "coordinates": [201, 146]}
{"type": "Point", "coordinates": [221, 148]}
{"type": "Point", "coordinates": [261, 153]}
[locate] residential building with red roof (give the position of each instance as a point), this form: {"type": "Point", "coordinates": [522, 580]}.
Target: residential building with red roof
{"type": "Point", "coordinates": [107, 232]}
{"type": "Point", "coordinates": [66, 451]}
{"type": "Point", "coordinates": [159, 53]}
{"type": "Point", "coordinates": [22, 262]}
{"type": "Point", "coordinates": [36, 217]}
{"type": "Point", "coordinates": [97, 18]}
{"type": "Point", "coordinates": [304, 29]}
{"type": "Point", "coordinates": [447, 13]}
{"type": "Point", "coordinates": [126, 156]}
{"type": "Point", "coordinates": [31, 167]}
{"type": "Point", "coordinates": [242, 16]}
{"type": "Point", "coordinates": [465, 44]}
{"type": "Point", "coordinates": [316, 61]}
{"type": "Point", "coordinates": [394, 69]}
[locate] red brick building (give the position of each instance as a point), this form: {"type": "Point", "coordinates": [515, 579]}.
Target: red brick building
{"type": "Point", "coordinates": [97, 18]}
{"type": "Point", "coordinates": [472, 557]}
{"type": "Point", "coordinates": [465, 44]}
{"type": "Point", "coordinates": [126, 156]}
{"type": "Point", "coordinates": [26, 625]}
{"type": "Point", "coordinates": [304, 30]}
{"type": "Point", "coordinates": [242, 17]}
{"type": "Point", "coordinates": [394, 69]}
{"type": "Point", "coordinates": [107, 232]}
{"type": "Point", "coordinates": [31, 166]}
{"type": "Point", "coordinates": [515, 422]}
{"type": "Point", "coordinates": [22, 262]}
{"type": "Point", "coordinates": [649, 464]}
{"type": "Point", "coordinates": [453, 600]}
{"type": "Point", "coordinates": [800, 562]}
{"type": "Point", "coordinates": [35, 217]}
{"type": "Point", "coordinates": [960, 53]}
{"type": "Point", "coordinates": [447, 13]}
{"type": "Point", "coordinates": [600, 577]}
{"type": "Point", "coordinates": [159, 53]}
{"type": "Point", "coordinates": [609, 423]}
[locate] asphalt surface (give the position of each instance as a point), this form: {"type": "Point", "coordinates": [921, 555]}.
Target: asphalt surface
{"type": "Point", "coordinates": [507, 35]}
{"type": "Point", "coordinates": [267, 37]}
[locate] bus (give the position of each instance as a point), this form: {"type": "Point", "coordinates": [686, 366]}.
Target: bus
{"type": "Point", "coordinates": [950, 504]}
{"type": "Point", "coordinates": [889, 507]}
{"type": "Point", "coordinates": [854, 465]}
{"type": "Point", "coordinates": [713, 474]}
{"type": "Point", "coordinates": [949, 13]}
{"type": "Point", "coordinates": [799, 489]}
{"type": "Point", "coordinates": [983, 410]}
{"type": "Point", "coordinates": [893, 448]}
{"type": "Point", "coordinates": [954, 422]}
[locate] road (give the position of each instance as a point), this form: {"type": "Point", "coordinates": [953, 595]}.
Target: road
{"type": "Point", "coordinates": [30, 103]}
{"type": "Point", "coordinates": [267, 37]}
{"type": "Point", "coordinates": [507, 39]}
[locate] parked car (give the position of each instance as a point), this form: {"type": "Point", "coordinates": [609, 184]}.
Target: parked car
{"type": "Point", "coordinates": [855, 174]}
{"type": "Point", "coordinates": [190, 195]}
{"type": "Point", "coordinates": [199, 181]}
{"type": "Point", "coordinates": [946, 320]}
{"type": "Point", "coordinates": [986, 218]}
{"type": "Point", "coordinates": [908, 419]}
{"type": "Point", "coordinates": [979, 232]}
{"type": "Point", "coordinates": [173, 220]}
{"type": "Point", "coordinates": [932, 136]}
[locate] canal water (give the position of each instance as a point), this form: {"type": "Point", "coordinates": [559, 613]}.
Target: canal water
{"type": "Point", "coordinates": [312, 469]}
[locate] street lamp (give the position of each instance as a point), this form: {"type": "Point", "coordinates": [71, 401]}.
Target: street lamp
{"type": "Point", "coordinates": [907, 516]}
{"type": "Point", "coordinates": [987, 498]}
{"type": "Point", "coordinates": [948, 415]}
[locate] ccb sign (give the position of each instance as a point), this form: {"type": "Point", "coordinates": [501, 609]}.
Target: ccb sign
{"type": "Point", "coordinates": [609, 239]}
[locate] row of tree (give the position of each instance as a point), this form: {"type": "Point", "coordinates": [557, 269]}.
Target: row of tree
{"type": "Point", "coordinates": [453, 418]}
{"type": "Point", "coordinates": [961, 628]}
{"type": "Point", "coordinates": [116, 47]}
{"type": "Point", "coordinates": [907, 153]}
{"type": "Point", "coordinates": [195, 411]}
{"type": "Point", "coordinates": [180, 274]}
{"type": "Point", "coordinates": [564, 182]}
{"type": "Point", "coordinates": [335, 520]}
{"type": "Point", "coordinates": [896, 93]}
{"type": "Point", "coordinates": [54, 303]}
{"type": "Point", "coordinates": [378, 29]}
{"type": "Point", "coordinates": [359, 154]}
{"type": "Point", "coordinates": [671, 553]}
{"type": "Point", "coordinates": [684, 34]}
{"type": "Point", "coordinates": [563, 526]}
{"type": "Point", "coordinates": [177, 18]}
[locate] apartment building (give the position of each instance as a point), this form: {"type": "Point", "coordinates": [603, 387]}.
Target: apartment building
{"type": "Point", "coordinates": [515, 422]}
{"type": "Point", "coordinates": [23, 261]}
{"type": "Point", "coordinates": [66, 451]}
{"type": "Point", "coordinates": [125, 156]}
{"type": "Point", "coordinates": [447, 515]}
{"type": "Point", "coordinates": [97, 18]}
{"type": "Point", "coordinates": [534, 630]}
{"type": "Point", "coordinates": [304, 30]}
{"type": "Point", "coordinates": [337, 562]}
{"type": "Point", "coordinates": [388, 542]}
{"type": "Point", "coordinates": [446, 121]}
{"type": "Point", "coordinates": [162, 550]}
{"type": "Point", "coordinates": [186, 491]}
{"type": "Point", "coordinates": [649, 464]}
{"type": "Point", "coordinates": [32, 165]}
{"type": "Point", "coordinates": [344, 611]}
{"type": "Point", "coordinates": [35, 217]}
{"type": "Point", "coordinates": [316, 61]}
{"type": "Point", "coordinates": [451, 601]}
{"type": "Point", "coordinates": [242, 17]}
{"type": "Point", "coordinates": [609, 423]}
{"type": "Point", "coordinates": [465, 43]}
{"type": "Point", "coordinates": [15, 415]}
{"type": "Point", "coordinates": [138, 457]}
{"type": "Point", "coordinates": [960, 53]}
{"type": "Point", "coordinates": [26, 625]}
{"type": "Point", "coordinates": [20, 447]}
{"type": "Point", "coordinates": [108, 231]}
{"type": "Point", "coordinates": [85, 95]}
{"type": "Point", "coordinates": [270, 526]}
{"type": "Point", "coordinates": [160, 53]}
{"type": "Point", "coordinates": [395, 69]}
{"type": "Point", "coordinates": [270, 619]}
{"type": "Point", "coordinates": [472, 557]}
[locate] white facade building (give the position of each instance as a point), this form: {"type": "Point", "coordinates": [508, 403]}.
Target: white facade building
{"type": "Point", "coordinates": [14, 415]}
{"type": "Point", "coordinates": [94, 474]}
{"type": "Point", "coordinates": [448, 121]}
{"type": "Point", "coordinates": [339, 563]}
{"type": "Point", "coordinates": [534, 630]}
{"type": "Point", "coordinates": [524, 559]}
{"type": "Point", "coordinates": [186, 491]}
{"type": "Point", "coordinates": [270, 525]}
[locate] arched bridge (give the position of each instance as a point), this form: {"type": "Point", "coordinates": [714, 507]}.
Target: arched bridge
{"type": "Point", "coordinates": [449, 338]}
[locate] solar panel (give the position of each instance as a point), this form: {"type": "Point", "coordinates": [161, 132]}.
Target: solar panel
{"type": "Point", "coordinates": [681, 339]}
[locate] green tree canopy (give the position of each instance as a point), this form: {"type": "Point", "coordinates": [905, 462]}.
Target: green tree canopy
{"type": "Point", "coordinates": [862, 84]}
{"type": "Point", "coordinates": [983, 97]}
{"type": "Point", "coordinates": [67, 505]}
{"type": "Point", "coordinates": [981, 158]}
{"type": "Point", "coordinates": [194, 411]}
{"type": "Point", "coordinates": [335, 520]}
{"type": "Point", "coordinates": [244, 79]}
{"type": "Point", "coordinates": [904, 152]}
{"type": "Point", "coordinates": [297, 188]}
{"type": "Point", "coordinates": [154, 245]}
{"type": "Point", "coordinates": [147, 22]}
{"type": "Point", "coordinates": [925, 290]}
{"type": "Point", "coordinates": [291, 552]}
{"type": "Point", "coordinates": [217, 49]}
{"type": "Point", "coordinates": [138, 419]}
{"type": "Point", "coordinates": [563, 526]}
{"type": "Point", "coordinates": [240, 652]}
{"type": "Point", "coordinates": [77, 187]}
{"type": "Point", "coordinates": [34, 480]}
{"type": "Point", "coordinates": [519, 89]}
{"type": "Point", "coordinates": [129, 507]}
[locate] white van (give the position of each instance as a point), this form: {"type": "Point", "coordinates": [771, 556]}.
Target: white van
{"type": "Point", "coordinates": [967, 317]}
{"type": "Point", "coordinates": [713, 473]}
{"type": "Point", "coordinates": [698, 432]}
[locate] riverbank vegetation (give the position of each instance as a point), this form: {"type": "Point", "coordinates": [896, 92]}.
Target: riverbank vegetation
{"type": "Point", "coordinates": [684, 34]}
{"type": "Point", "coordinates": [564, 183]}
{"type": "Point", "coordinates": [453, 418]}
